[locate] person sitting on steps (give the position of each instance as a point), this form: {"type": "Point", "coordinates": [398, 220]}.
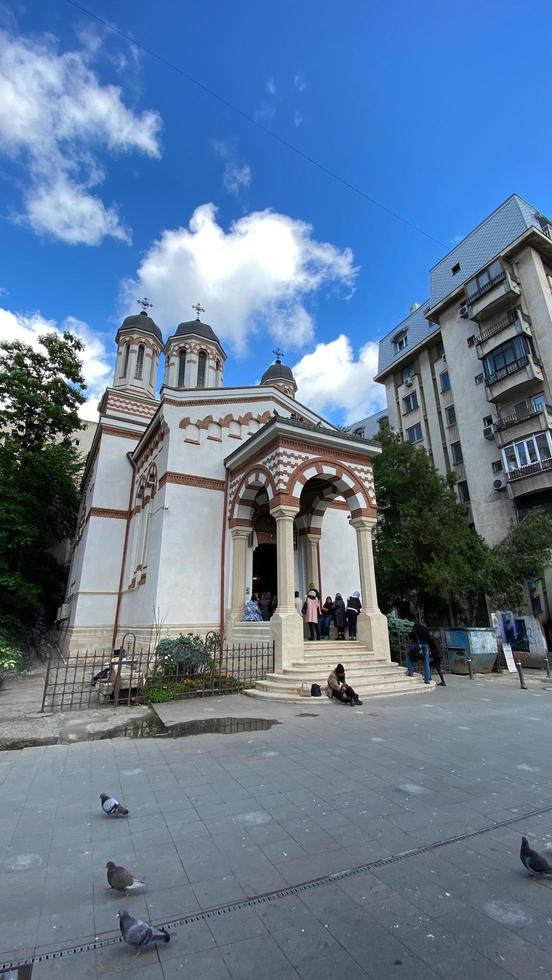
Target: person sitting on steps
{"type": "Point", "coordinates": [338, 688]}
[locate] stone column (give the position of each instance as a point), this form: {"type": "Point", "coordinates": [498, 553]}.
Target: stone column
{"type": "Point", "coordinates": [287, 625]}
{"type": "Point", "coordinates": [238, 580]}
{"type": "Point", "coordinates": [372, 624]}
{"type": "Point", "coordinates": [312, 559]}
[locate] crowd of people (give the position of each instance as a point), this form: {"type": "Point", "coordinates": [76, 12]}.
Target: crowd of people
{"type": "Point", "coordinates": [320, 616]}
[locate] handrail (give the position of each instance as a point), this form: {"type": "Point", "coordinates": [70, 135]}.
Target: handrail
{"type": "Point", "coordinates": [508, 369]}
{"type": "Point", "coordinates": [541, 466]}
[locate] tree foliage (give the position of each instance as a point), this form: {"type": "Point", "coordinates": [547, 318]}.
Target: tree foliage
{"type": "Point", "coordinates": [427, 553]}
{"type": "Point", "coordinates": [40, 393]}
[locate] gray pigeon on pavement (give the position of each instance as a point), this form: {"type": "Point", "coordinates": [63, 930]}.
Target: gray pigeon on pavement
{"type": "Point", "coordinates": [137, 933]}
{"type": "Point", "coordinates": [112, 807]}
{"type": "Point", "coordinates": [122, 880]}
{"type": "Point", "coordinates": [533, 861]}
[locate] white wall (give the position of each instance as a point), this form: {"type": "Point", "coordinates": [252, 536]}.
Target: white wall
{"type": "Point", "coordinates": [338, 555]}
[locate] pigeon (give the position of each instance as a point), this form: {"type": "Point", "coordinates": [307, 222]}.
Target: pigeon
{"type": "Point", "coordinates": [137, 933]}
{"type": "Point", "coordinates": [122, 880]}
{"type": "Point", "coordinates": [533, 861]}
{"type": "Point", "coordinates": [112, 807]}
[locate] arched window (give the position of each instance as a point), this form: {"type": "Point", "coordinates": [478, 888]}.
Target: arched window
{"type": "Point", "coordinates": [152, 365]}
{"type": "Point", "coordinates": [201, 365]}
{"type": "Point", "coordinates": [139, 361]}
{"type": "Point", "coordinates": [124, 361]}
{"type": "Point", "coordinates": [181, 367]}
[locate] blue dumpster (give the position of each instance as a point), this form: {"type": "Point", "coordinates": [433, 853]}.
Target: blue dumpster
{"type": "Point", "coordinates": [478, 643]}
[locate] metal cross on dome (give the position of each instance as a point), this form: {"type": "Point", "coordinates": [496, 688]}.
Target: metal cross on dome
{"type": "Point", "coordinates": [199, 309]}
{"type": "Point", "coordinates": [144, 303]}
{"type": "Point", "coordinates": [279, 354]}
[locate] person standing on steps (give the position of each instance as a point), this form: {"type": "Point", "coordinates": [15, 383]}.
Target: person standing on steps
{"type": "Point", "coordinates": [311, 611]}
{"type": "Point", "coordinates": [354, 606]}
{"type": "Point", "coordinates": [338, 613]}
{"type": "Point", "coordinates": [326, 619]}
{"type": "Point", "coordinates": [338, 688]}
{"type": "Point", "coordinates": [298, 603]}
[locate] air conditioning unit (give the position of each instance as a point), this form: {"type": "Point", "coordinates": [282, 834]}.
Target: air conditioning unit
{"type": "Point", "coordinates": [464, 311]}
{"type": "Point", "coordinates": [408, 382]}
{"type": "Point", "coordinates": [489, 431]}
{"type": "Point", "coordinates": [63, 612]}
{"type": "Point", "coordinates": [500, 483]}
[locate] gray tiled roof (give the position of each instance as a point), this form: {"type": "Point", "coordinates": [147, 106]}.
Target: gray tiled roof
{"type": "Point", "coordinates": [370, 424]}
{"type": "Point", "coordinates": [476, 250]}
{"type": "Point", "coordinates": [417, 327]}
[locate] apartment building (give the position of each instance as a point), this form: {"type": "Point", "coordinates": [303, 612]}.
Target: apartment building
{"type": "Point", "coordinates": [468, 373]}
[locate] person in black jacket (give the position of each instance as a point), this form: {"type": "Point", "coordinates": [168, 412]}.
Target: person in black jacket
{"type": "Point", "coordinates": [338, 613]}
{"type": "Point", "coordinates": [353, 608]}
{"type": "Point", "coordinates": [419, 650]}
{"type": "Point", "coordinates": [435, 657]}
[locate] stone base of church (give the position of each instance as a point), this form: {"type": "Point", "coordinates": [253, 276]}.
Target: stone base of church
{"type": "Point", "coordinates": [372, 630]}
{"type": "Point", "coordinates": [287, 632]}
{"type": "Point", "coordinates": [81, 638]}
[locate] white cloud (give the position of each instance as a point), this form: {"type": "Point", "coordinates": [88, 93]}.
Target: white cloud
{"type": "Point", "coordinates": [237, 176]}
{"type": "Point", "coordinates": [55, 117]}
{"type": "Point", "coordinates": [330, 379]}
{"type": "Point", "coordinates": [271, 86]}
{"type": "Point", "coordinates": [297, 119]}
{"type": "Point", "coordinates": [97, 369]}
{"type": "Point", "coordinates": [299, 82]}
{"type": "Point", "coordinates": [254, 277]}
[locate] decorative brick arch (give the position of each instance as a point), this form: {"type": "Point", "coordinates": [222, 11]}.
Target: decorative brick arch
{"type": "Point", "coordinates": [242, 508]}
{"type": "Point", "coordinates": [345, 481]}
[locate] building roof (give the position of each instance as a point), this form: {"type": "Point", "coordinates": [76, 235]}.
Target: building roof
{"type": "Point", "coordinates": [370, 425]}
{"type": "Point", "coordinates": [142, 322]}
{"type": "Point", "coordinates": [198, 328]}
{"type": "Point", "coordinates": [278, 372]}
{"type": "Point", "coordinates": [490, 238]}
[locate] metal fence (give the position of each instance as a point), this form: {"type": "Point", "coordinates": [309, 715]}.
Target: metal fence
{"type": "Point", "coordinates": [95, 678]}
{"type": "Point", "coordinates": [404, 641]}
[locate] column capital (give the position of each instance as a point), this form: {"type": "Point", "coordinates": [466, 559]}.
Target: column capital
{"type": "Point", "coordinates": [284, 512]}
{"type": "Point", "coordinates": [240, 531]}
{"type": "Point", "coordinates": [363, 523]}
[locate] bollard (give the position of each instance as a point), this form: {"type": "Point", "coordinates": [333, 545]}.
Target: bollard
{"type": "Point", "coordinates": [547, 665]}
{"type": "Point", "coordinates": [522, 683]}
{"type": "Point", "coordinates": [470, 668]}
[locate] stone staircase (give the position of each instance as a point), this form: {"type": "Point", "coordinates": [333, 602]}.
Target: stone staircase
{"type": "Point", "coordinates": [369, 675]}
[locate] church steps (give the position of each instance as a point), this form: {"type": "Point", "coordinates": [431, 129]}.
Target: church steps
{"type": "Point", "coordinates": [373, 691]}
{"type": "Point", "coordinates": [363, 686]}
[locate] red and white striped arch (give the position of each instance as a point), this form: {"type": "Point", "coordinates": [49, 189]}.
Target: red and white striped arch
{"type": "Point", "coordinates": [345, 482]}
{"type": "Point", "coordinates": [258, 478]}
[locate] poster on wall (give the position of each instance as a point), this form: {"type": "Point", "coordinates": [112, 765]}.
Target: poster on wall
{"type": "Point", "coordinates": [509, 657]}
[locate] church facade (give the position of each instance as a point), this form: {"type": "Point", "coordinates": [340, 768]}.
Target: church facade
{"type": "Point", "coordinates": [194, 500]}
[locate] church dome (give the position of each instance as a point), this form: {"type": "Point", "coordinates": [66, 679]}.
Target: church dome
{"type": "Point", "coordinates": [277, 372]}
{"type": "Point", "coordinates": [198, 328]}
{"type": "Point", "coordinates": [142, 322]}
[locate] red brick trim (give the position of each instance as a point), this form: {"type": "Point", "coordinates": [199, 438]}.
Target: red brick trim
{"type": "Point", "coordinates": [188, 480]}
{"type": "Point", "coordinates": [110, 430]}
{"type": "Point", "coordinates": [108, 512]}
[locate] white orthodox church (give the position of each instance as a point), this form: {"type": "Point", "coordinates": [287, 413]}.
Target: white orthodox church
{"type": "Point", "coordinates": [196, 498]}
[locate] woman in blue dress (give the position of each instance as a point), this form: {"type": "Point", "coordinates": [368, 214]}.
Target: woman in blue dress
{"type": "Point", "coordinates": [252, 613]}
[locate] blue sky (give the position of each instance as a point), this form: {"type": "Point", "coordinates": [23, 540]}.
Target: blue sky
{"type": "Point", "coordinates": [437, 110]}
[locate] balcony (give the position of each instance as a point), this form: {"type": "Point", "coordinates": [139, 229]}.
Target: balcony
{"type": "Point", "coordinates": [497, 292]}
{"type": "Point", "coordinates": [522, 424]}
{"type": "Point", "coordinates": [513, 376]}
{"type": "Point", "coordinates": [533, 478]}
{"type": "Point", "coordinates": [508, 324]}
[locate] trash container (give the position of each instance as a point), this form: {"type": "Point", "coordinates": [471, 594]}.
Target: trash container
{"type": "Point", "coordinates": [478, 643]}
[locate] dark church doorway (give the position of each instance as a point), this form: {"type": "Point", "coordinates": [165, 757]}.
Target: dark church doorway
{"type": "Point", "coordinates": [264, 569]}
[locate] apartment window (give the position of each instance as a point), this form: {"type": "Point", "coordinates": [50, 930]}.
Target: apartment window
{"type": "Point", "coordinates": [471, 341]}
{"type": "Point", "coordinates": [488, 420]}
{"type": "Point", "coordinates": [538, 402]}
{"type": "Point", "coordinates": [359, 432]}
{"type": "Point", "coordinates": [450, 415]}
{"type": "Point", "coordinates": [445, 381]}
{"type": "Point", "coordinates": [400, 341]}
{"type": "Point", "coordinates": [484, 280]}
{"type": "Point", "coordinates": [456, 453]}
{"type": "Point", "coordinates": [535, 449]}
{"type": "Point", "coordinates": [410, 403]}
{"type": "Point", "coordinates": [440, 349]}
{"type": "Point", "coordinates": [140, 361]}
{"type": "Point", "coordinates": [479, 379]}
{"type": "Point", "coordinates": [456, 268]}
{"type": "Point", "coordinates": [181, 368]}
{"type": "Point", "coordinates": [497, 466]}
{"type": "Point", "coordinates": [409, 371]}
{"type": "Point", "coordinates": [414, 433]}
{"type": "Point", "coordinates": [504, 358]}
{"type": "Point", "coordinates": [463, 491]}
{"type": "Point", "coordinates": [126, 356]}
{"type": "Point", "coordinates": [201, 366]}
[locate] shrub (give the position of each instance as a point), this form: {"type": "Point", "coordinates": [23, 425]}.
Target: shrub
{"type": "Point", "coordinates": [12, 660]}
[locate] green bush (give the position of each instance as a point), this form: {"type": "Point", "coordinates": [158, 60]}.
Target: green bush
{"type": "Point", "coordinates": [12, 660]}
{"type": "Point", "coordinates": [186, 655]}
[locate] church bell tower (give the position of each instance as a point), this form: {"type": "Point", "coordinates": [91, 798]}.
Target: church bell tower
{"type": "Point", "coordinates": [139, 344]}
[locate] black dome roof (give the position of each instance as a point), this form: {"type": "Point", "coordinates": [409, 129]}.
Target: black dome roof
{"type": "Point", "coordinates": [278, 372]}
{"type": "Point", "coordinates": [197, 327]}
{"type": "Point", "coordinates": [142, 322]}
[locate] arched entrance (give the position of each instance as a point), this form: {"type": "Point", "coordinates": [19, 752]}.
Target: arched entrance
{"type": "Point", "coordinates": [264, 571]}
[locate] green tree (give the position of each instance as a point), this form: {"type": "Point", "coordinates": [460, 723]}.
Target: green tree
{"type": "Point", "coordinates": [519, 558]}
{"type": "Point", "coordinates": [40, 394]}
{"type": "Point", "coordinates": [425, 550]}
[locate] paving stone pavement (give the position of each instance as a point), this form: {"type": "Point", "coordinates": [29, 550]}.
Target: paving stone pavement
{"type": "Point", "coordinates": [216, 819]}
